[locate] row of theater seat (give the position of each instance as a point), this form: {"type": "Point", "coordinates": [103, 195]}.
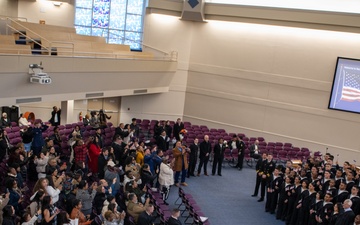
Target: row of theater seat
{"type": "Point", "coordinates": [281, 151]}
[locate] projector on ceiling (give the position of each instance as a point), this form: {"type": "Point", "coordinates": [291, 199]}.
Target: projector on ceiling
{"type": "Point", "coordinates": [37, 75]}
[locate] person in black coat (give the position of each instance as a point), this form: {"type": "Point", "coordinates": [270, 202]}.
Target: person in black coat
{"type": "Point", "coordinates": [273, 189]}
{"type": "Point", "coordinates": [55, 116]}
{"type": "Point", "coordinates": [348, 217]}
{"type": "Point", "coordinates": [178, 126]}
{"type": "Point", "coordinates": [119, 150]}
{"type": "Point", "coordinates": [168, 129]}
{"type": "Point", "coordinates": [102, 162]}
{"type": "Point", "coordinates": [146, 217]}
{"type": "Point", "coordinates": [237, 143]}
{"type": "Point", "coordinates": [3, 146]}
{"type": "Point", "coordinates": [219, 150]}
{"type": "Point", "coordinates": [194, 148]}
{"type": "Point", "coordinates": [174, 219]}
{"type": "Point", "coordinates": [8, 215]}
{"type": "Point", "coordinates": [161, 141]}
{"type": "Point", "coordinates": [121, 131]}
{"type": "Point", "coordinates": [259, 171]}
{"type": "Point", "coordinates": [146, 176]}
{"type": "Point", "coordinates": [135, 127]}
{"type": "Point", "coordinates": [205, 150]}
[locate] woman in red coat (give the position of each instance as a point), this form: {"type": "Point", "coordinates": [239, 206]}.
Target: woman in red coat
{"type": "Point", "coordinates": [94, 152]}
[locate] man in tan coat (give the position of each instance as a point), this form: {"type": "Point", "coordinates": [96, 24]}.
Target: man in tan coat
{"type": "Point", "coordinates": [135, 208]}
{"type": "Point", "coordinates": [180, 164]}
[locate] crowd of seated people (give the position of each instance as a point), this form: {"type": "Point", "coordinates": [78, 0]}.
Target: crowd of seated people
{"type": "Point", "coordinates": [315, 193]}
{"type": "Point", "coordinates": [60, 173]}
{"type": "Point", "coordinates": [95, 179]}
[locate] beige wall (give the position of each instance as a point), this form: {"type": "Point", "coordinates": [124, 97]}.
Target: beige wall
{"type": "Point", "coordinates": [34, 11]}
{"type": "Point", "coordinates": [9, 8]}
{"type": "Point", "coordinates": [168, 34]}
{"type": "Point", "coordinates": [261, 80]}
{"type": "Point", "coordinates": [271, 81]}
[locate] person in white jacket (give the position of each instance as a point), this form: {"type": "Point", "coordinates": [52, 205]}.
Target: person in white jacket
{"type": "Point", "coordinates": [28, 220]}
{"type": "Point", "coordinates": [41, 163]}
{"type": "Point", "coordinates": [166, 178]}
{"type": "Point", "coordinates": [43, 184]}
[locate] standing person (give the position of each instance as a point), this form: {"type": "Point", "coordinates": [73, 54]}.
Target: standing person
{"type": "Point", "coordinates": [49, 211]}
{"type": "Point", "coordinates": [168, 129]}
{"type": "Point", "coordinates": [219, 150]}
{"type": "Point", "coordinates": [273, 189]}
{"type": "Point", "coordinates": [146, 217]}
{"type": "Point", "coordinates": [174, 219]}
{"type": "Point", "coordinates": [38, 140]}
{"type": "Point", "coordinates": [260, 165]}
{"type": "Point", "coordinates": [76, 213]}
{"type": "Point", "coordinates": [161, 141]}
{"type": "Point", "coordinates": [121, 131]}
{"type": "Point", "coordinates": [27, 137]}
{"type": "Point", "coordinates": [205, 150]}
{"type": "Point", "coordinates": [348, 217]}
{"type": "Point", "coordinates": [178, 126]}
{"type": "Point", "coordinates": [166, 178]}
{"type": "Point", "coordinates": [181, 164]}
{"type": "Point", "coordinates": [102, 162]}
{"type": "Point", "coordinates": [241, 153]}
{"type": "Point", "coordinates": [194, 149]}
{"type": "Point", "coordinates": [55, 116]}
{"type": "Point", "coordinates": [135, 127]}
{"type": "Point", "coordinates": [103, 118]}
{"type": "Point", "coordinates": [94, 152]}
{"type": "Point", "coordinates": [85, 196]}
{"type": "Point", "coordinates": [8, 215]}
{"type": "Point", "coordinates": [100, 138]}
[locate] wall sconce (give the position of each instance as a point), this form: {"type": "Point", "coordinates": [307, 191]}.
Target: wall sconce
{"type": "Point", "coordinates": [58, 4]}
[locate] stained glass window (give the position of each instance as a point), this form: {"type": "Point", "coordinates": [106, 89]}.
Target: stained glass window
{"type": "Point", "coordinates": [119, 21]}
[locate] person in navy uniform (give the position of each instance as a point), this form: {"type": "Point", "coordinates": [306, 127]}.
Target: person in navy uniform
{"type": "Point", "coordinates": [273, 188]}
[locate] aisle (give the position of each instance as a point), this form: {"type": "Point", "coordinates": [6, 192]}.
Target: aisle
{"type": "Point", "coordinates": [227, 199]}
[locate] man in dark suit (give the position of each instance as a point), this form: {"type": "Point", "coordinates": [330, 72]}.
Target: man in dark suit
{"type": "Point", "coordinates": [118, 150]}
{"type": "Point", "coordinates": [102, 162]}
{"type": "Point", "coordinates": [237, 143]}
{"type": "Point", "coordinates": [135, 127]}
{"type": "Point", "coordinates": [205, 150]}
{"type": "Point", "coordinates": [219, 150]}
{"type": "Point", "coordinates": [174, 219]}
{"type": "Point", "coordinates": [254, 150]}
{"type": "Point", "coordinates": [194, 148]}
{"type": "Point", "coordinates": [55, 116]}
{"type": "Point", "coordinates": [146, 216]}
{"type": "Point", "coordinates": [260, 165]}
{"type": "Point", "coordinates": [120, 130]}
{"type": "Point", "coordinates": [348, 217]}
{"type": "Point", "coordinates": [161, 141]}
{"type": "Point", "coordinates": [178, 126]}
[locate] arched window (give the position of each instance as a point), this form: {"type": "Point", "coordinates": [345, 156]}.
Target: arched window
{"type": "Point", "coordinates": [119, 21]}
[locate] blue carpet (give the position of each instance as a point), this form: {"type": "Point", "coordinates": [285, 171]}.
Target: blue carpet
{"type": "Point", "coordinates": [227, 199]}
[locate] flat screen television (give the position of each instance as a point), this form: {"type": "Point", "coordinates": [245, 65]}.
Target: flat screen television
{"type": "Point", "coordinates": [345, 92]}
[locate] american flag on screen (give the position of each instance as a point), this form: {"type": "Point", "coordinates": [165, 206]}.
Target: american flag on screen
{"type": "Point", "coordinates": [351, 87]}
